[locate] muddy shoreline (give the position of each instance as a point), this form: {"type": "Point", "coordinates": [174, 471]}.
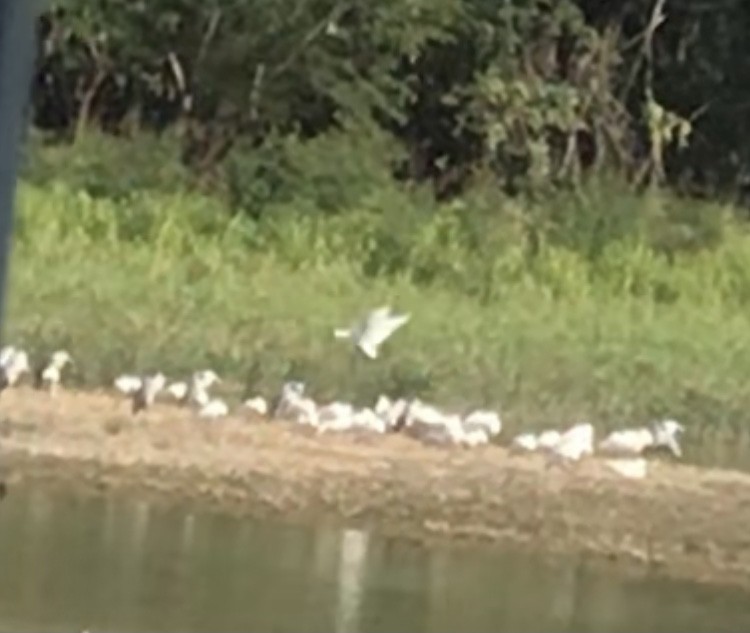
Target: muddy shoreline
{"type": "Point", "coordinates": [682, 521]}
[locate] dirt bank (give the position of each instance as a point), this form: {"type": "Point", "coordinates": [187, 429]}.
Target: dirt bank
{"type": "Point", "coordinates": [682, 521]}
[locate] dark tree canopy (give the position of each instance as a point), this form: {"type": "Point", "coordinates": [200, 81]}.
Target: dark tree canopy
{"type": "Point", "coordinates": [536, 92]}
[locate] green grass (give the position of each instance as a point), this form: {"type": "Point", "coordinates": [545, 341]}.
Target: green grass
{"type": "Point", "coordinates": [650, 321]}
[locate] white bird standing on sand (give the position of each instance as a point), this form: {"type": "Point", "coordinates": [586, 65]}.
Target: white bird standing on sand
{"type": "Point", "coordinates": [150, 387]}
{"type": "Point", "coordinates": [485, 421]}
{"type": "Point", "coordinates": [178, 390]}
{"type": "Point", "coordinates": [257, 405]}
{"type": "Point", "coordinates": [574, 443]}
{"type": "Point", "coordinates": [6, 353]}
{"type": "Point", "coordinates": [429, 424]}
{"type": "Point", "coordinates": [214, 408]}
{"type": "Point", "coordinates": [200, 383]}
{"type": "Point", "coordinates": [396, 415]}
{"type": "Point", "coordinates": [548, 439]}
{"type": "Point", "coordinates": [531, 442]}
{"type": "Point", "coordinates": [525, 442]}
{"type": "Point", "coordinates": [335, 416]}
{"type": "Point", "coordinates": [128, 384]}
{"type": "Point", "coordinates": [50, 375]}
{"type": "Point", "coordinates": [368, 420]}
{"type": "Point", "coordinates": [383, 405]}
{"type": "Point", "coordinates": [16, 364]}
{"type": "Point", "coordinates": [291, 391]}
{"type": "Point", "coordinates": [474, 437]}
{"type": "Point", "coordinates": [370, 333]}
{"type": "Point", "coordinates": [294, 406]}
{"type": "Point", "coordinates": [636, 441]}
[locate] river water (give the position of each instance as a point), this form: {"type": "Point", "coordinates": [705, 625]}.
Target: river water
{"type": "Point", "coordinates": [71, 563]}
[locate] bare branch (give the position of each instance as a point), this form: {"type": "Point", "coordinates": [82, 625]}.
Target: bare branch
{"type": "Point", "coordinates": [208, 36]}
{"type": "Point", "coordinates": [311, 36]}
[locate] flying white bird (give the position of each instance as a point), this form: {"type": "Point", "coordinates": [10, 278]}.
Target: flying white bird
{"type": "Point", "coordinates": [370, 333]}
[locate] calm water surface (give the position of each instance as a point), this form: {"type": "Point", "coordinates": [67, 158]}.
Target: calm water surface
{"type": "Point", "coordinates": [119, 564]}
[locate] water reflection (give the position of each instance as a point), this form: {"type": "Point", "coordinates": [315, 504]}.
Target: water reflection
{"type": "Point", "coordinates": [351, 579]}
{"type": "Point", "coordinates": [123, 564]}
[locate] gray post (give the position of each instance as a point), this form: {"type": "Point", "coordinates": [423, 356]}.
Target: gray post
{"type": "Point", "coordinates": [16, 66]}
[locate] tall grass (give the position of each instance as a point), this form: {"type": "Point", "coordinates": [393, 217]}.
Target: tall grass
{"type": "Point", "coordinates": [644, 317]}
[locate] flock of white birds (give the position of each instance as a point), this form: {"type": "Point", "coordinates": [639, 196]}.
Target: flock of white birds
{"type": "Point", "coordinates": [623, 451]}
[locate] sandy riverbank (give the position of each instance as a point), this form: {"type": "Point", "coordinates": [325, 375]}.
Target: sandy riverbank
{"type": "Point", "coordinates": [683, 521]}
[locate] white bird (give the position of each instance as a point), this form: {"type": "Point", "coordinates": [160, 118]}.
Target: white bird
{"type": "Point", "coordinates": [634, 468]}
{"type": "Point", "coordinates": [474, 437]}
{"type": "Point", "coordinates": [200, 383]}
{"type": "Point", "coordinates": [150, 387]}
{"type": "Point", "coordinates": [383, 405]}
{"type": "Point", "coordinates": [178, 390]}
{"type": "Point", "coordinates": [428, 423]}
{"type": "Point", "coordinates": [257, 405]}
{"type": "Point", "coordinates": [665, 434]}
{"type": "Point", "coordinates": [335, 416]}
{"type": "Point", "coordinates": [127, 384]}
{"type": "Point", "coordinates": [548, 439]}
{"type": "Point", "coordinates": [303, 411]}
{"type": "Point", "coordinates": [6, 353]}
{"type": "Point", "coordinates": [291, 392]}
{"type": "Point", "coordinates": [636, 441]}
{"type": "Point", "coordinates": [368, 419]}
{"type": "Point", "coordinates": [574, 443]}
{"type": "Point", "coordinates": [214, 408]}
{"type": "Point", "coordinates": [16, 364]}
{"type": "Point", "coordinates": [531, 442]}
{"type": "Point", "coordinates": [373, 330]}
{"type": "Point", "coordinates": [49, 375]}
{"type": "Point", "coordinates": [483, 420]}
{"type": "Point", "coordinates": [294, 406]}
{"type": "Point", "coordinates": [394, 414]}
{"type": "Point", "coordinates": [525, 442]}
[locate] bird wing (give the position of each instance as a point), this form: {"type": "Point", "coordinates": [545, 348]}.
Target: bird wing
{"type": "Point", "coordinates": [380, 326]}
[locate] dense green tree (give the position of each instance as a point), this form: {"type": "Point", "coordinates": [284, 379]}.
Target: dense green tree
{"type": "Point", "coordinates": [535, 92]}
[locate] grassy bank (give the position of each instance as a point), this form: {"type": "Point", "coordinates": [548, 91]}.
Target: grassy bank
{"type": "Point", "coordinates": [600, 304]}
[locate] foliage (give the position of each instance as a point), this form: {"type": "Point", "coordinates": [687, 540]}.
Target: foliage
{"type": "Point", "coordinates": [537, 92]}
{"type": "Point", "coordinates": [551, 333]}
